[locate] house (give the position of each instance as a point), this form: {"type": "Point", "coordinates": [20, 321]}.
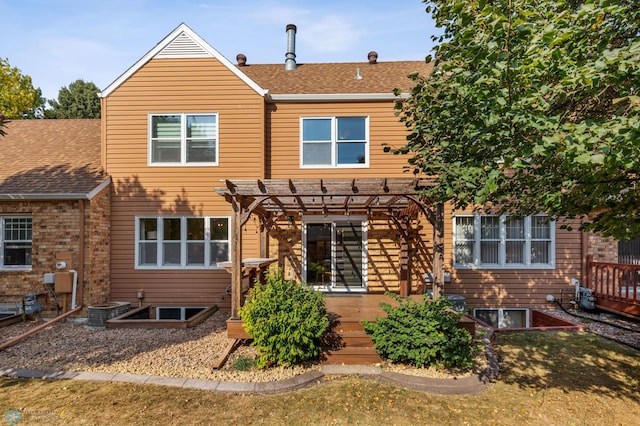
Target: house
{"type": "Point", "coordinates": [242, 165]}
{"type": "Point", "coordinates": [54, 207]}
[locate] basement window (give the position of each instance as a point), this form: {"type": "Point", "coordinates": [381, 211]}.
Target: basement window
{"type": "Point", "coordinates": [182, 313]}
{"type": "Point", "coordinates": [503, 317]}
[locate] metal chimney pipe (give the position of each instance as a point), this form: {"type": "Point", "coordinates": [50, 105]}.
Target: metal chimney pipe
{"type": "Point", "coordinates": [290, 61]}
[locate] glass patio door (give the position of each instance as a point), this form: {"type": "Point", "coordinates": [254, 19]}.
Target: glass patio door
{"type": "Point", "coordinates": [334, 253]}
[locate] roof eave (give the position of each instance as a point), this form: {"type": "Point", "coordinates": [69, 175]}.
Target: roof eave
{"type": "Point", "coordinates": [60, 196]}
{"type": "Point", "coordinates": [335, 97]}
{"type": "Point", "coordinates": [45, 196]}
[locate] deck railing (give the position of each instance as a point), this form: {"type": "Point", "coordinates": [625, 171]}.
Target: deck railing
{"type": "Point", "coordinates": [614, 281]}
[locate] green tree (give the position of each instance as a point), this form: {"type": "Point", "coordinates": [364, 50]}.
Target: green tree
{"type": "Point", "coordinates": [18, 97]}
{"type": "Point", "coordinates": [533, 106]}
{"type": "Point", "coordinates": [79, 100]}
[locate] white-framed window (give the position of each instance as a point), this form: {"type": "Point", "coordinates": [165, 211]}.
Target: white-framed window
{"type": "Point", "coordinates": [183, 139]}
{"type": "Point", "coordinates": [334, 142]}
{"type": "Point", "coordinates": [504, 317]}
{"type": "Point", "coordinates": [15, 242]}
{"type": "Point", "coordinates": [492, 242]}
{"type": "Point", "coordinates": [181, 242]}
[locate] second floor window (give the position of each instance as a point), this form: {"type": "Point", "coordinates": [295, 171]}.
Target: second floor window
{"type": "Point", "coordinates": [183, 139]}
{"type": "Point", "coordinates": [334, 142]}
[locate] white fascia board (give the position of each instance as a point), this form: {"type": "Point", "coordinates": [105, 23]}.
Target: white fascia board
{"type": "Point", "coordinates": [98, 189]}
{"type": "Point", "coordinates": [336, 97]}
{"type": "Point", "coordinates": [164, 43]}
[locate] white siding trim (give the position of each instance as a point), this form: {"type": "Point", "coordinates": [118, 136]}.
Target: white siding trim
{"type": "Point", "coordinates": [335, 97]}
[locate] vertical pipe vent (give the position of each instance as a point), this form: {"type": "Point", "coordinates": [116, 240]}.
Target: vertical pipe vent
{"type": "Point", "coordinates": [290, 61]}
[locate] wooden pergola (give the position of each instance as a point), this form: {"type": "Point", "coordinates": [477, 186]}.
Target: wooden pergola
{"type": "Point", "coordinates": [399, 199]}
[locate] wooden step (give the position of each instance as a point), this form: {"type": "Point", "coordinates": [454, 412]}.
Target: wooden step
{"type": "Point", "coordinates": [356, 339]}
{"type": "Point", "coordinates": [351, 356]}
{"type": "Point", "coordinates": [348, 343]}
{"type": "Point", "coordinates": [340, 326]}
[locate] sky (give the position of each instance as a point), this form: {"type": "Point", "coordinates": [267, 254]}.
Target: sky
{"type": "Point", "coordinates": [59, 41]}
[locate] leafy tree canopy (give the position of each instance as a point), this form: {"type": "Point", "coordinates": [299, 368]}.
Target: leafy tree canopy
{"type": "Point", "coordinates": [18, 97]}
{"type": "Point", "coordinates": [79, 100]}
{"type": "Point", "coordinates": [533, 106]}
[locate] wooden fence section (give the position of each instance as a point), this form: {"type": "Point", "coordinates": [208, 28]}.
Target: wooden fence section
{"type": "Point", "coordinates": [616, 286]}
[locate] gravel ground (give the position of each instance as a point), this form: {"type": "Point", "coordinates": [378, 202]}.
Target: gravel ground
{"type": "Point", "coordinates": [189, 353]}
{"type": "Point", "coordinates": [605, 324]}
{"type": "Point", "coordinates": [161, 352]}
{"type": "Point", "coordinates": [68, 346]}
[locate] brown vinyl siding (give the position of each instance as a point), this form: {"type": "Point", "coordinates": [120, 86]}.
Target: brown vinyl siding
{"type": "Point", "coordinates": [384, 127]}
{"type": "Point", "coordinates": [201, 85]}
{"type": "Point", "coordinates": [518, 287]}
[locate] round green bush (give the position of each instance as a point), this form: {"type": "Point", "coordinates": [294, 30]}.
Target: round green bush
{"type": "Point", "coordinates": [422, 333]}
{"type": "Point", "coordinates": [285, 320]}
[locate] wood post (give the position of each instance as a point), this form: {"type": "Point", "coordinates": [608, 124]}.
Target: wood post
{"type": "Point", "coordinates": [264, 239]}
{"type": "Point", "coordinates": [405, 283]}
{"type": "Point", "coordinates": [236, 260]}
{"type": "Point", "coordinates": [438, 251]}
{"type": "Point", "coordinates": [588, 280]}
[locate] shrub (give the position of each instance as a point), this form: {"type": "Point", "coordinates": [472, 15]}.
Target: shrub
{"type": "Point", "coordinates": [285, 320]}
{"type": "Point", "coordinates": [422, 333]}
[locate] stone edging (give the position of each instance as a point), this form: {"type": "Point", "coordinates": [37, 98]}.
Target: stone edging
{"type": "Point", "coordinates": [461, 386]}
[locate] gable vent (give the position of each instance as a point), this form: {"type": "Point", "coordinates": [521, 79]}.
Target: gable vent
{"type": "Point", "coordinates": [183, 46]}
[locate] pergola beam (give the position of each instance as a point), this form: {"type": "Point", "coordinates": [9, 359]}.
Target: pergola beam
{"type": "Point", "coordinates": [397, 198]}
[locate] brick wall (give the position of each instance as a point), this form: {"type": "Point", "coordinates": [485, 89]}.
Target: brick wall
{"type": "Point", "coordinates": [56, 228]}
{"type": "Point", "coordinates": [97, 249]}
{"type": "Point", "coordinates": [602, 249]}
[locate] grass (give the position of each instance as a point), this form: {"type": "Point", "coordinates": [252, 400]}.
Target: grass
{"type": "Point", "coordinates": [546, 378]}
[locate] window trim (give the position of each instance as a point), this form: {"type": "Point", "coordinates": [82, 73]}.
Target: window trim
{"type": "Point", "coordinates": [183, 140]}
{"type": "Point", "coordinates": [501, 319]}
{"type": "Point", "coordinates": [334, 143]}
{"type": "Point", "coordinates": [208, 265]}
{"type": "Point", "coordinates": [4, 267]}
{"type": "Point", "coordinates": [477, 264]}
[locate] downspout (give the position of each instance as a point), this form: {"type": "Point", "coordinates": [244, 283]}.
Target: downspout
{"type": "Point", "coordinates": [75, 288]}
{"type": "Point", "coordinates": [79, 276]}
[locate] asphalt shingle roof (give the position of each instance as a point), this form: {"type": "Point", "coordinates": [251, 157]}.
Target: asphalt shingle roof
{"type": "Point", "coordinates": [50, 157]}
{"type": "Point", "coordinates": [336, 78]}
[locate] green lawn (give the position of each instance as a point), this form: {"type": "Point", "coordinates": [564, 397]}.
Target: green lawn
{"type": "Point", "coordinates": [546, 378]}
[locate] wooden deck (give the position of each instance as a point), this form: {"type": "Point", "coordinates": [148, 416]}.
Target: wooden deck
{"type": "Point", "coordinates": [616, 287]}
{"type": "Point", "coordinates": [346, 342]}
{"type": "Point", "coordinates": [345, 308]}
